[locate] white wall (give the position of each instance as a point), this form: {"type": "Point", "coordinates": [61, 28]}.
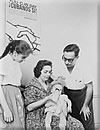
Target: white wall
{"type": "Point", "coordinates": [2, 24]}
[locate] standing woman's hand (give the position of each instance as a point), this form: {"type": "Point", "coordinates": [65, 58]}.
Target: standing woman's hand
{"type": "Point", "coordinates": [7, 115]}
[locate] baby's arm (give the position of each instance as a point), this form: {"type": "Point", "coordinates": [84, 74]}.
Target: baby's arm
{"type": "Point", "coordinates": [69, 106]}
{"type": "Point", "coordinates": [69, 103]}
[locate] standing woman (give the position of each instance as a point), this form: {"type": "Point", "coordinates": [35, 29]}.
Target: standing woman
{"type": "Point", "coordinates": [36, 94]}
{"type": "Point", "coordinates": [11, 103]}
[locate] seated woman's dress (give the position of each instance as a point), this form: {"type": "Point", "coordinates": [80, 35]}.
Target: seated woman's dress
{"type": "Point", "coordinates": [35, 119]}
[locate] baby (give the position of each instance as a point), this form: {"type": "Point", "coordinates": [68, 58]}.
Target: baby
{"type": "Point", "coordinates": [59, 104]}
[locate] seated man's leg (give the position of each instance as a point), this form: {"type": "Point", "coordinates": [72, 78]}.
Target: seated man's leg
{"type": "Point", "coordinates": [48, 120]}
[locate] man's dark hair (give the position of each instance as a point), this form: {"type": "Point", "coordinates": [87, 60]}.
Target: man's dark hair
{"type": "Point", "coordinates": [72, 48]}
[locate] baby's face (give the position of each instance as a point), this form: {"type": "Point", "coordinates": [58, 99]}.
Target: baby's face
{"type": "Point", "coordinates": [57, 87]}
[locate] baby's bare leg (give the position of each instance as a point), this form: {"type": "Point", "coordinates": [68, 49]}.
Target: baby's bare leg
{"type": "Point", "coordinates": [48, 120]}
{"type": "Point", "coordinates": [62, 123]}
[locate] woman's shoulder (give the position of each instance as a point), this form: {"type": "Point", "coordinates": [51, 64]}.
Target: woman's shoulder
{"type": "Point", "coordinates": [5, 60]}
{"type": "Point", "coordinates": [31, 87]}
{"type": "Point", "coordinates": [33, 84]}
{"type": "Point", "coordinates": [4, 65]}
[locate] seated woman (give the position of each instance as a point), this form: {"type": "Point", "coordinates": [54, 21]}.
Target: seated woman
{"type": "Point", "coordinates": [36, 95]}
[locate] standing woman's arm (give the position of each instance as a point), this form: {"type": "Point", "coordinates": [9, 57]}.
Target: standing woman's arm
{"type": "Point", "coordinates": [6, 111]}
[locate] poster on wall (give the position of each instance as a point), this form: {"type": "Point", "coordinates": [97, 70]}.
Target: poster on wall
{"type": "Point", "coordinates": [22, 22]}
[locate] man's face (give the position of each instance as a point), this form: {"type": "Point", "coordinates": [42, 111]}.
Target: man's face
{"type": "Point", "coordinates": [69, 59]}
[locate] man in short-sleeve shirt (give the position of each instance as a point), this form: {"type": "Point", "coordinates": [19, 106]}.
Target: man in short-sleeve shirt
{"type": "Point", "coordinates": [79, 86]}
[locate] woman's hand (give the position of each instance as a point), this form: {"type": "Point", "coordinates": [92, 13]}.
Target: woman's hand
{"type": "Point", "coordinates": [29, 107]}
{"type": "Point", "coordinates": [49, 98]}
{"type": "Point", "coordinates": [7, 115]}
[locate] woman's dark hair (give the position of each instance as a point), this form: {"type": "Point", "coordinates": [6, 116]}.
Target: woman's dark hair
{"type": "Point", "coordinates": [72, 48]}
{"type": "Point", "coordinates": [20, 46]}
{"type": "Point", "coordinates": [41, 63]}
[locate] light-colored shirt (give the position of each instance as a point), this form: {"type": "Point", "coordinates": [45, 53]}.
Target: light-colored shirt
{"type": "Point", "coordinates": [11, 71]}
{"type": "Point", "coordinates": [78, 78]}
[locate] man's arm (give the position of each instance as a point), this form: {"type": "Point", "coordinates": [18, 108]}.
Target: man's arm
{"type": "Point", "coordinates": [89, 93]}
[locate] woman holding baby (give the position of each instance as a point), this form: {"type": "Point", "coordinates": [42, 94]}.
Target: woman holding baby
{"type": "Point", "coordinates": [37, 93]}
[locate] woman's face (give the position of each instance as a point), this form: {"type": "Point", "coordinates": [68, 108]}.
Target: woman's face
{"type": "Point", "coordinates": [45, 73]}
{"type": "Point", "coordinates": [18, 57]}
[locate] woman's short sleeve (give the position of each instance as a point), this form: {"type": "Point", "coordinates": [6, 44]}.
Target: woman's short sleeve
{"type": "Point", "coordinates": [30, 94]}
{"type": "Point", "coordinates": [3, 67]}
{"type": "Point", "coordinates": [33, 92]}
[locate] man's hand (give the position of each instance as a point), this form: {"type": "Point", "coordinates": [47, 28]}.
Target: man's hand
{"type": "Point", "coordinates": [86, 112]}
